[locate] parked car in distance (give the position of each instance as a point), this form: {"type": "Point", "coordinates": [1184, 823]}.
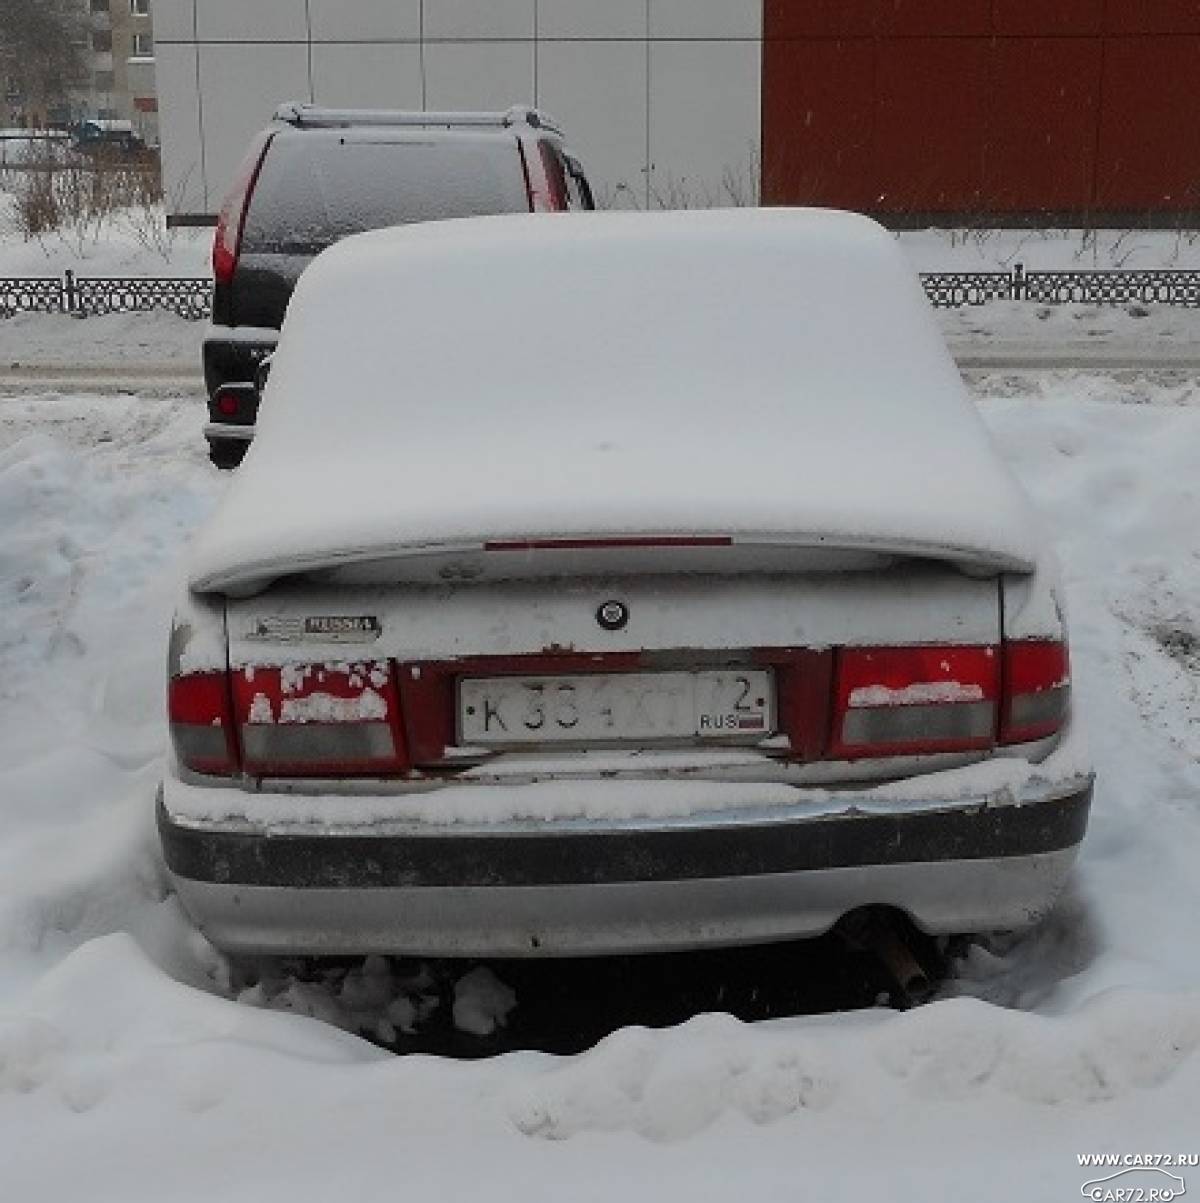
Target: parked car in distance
{"type": "Point", "coordinates": [641, 581]}
{"type": "Point", "coordinates": [28, 147]}
{"type": "Point", "coordinates": [315, 176]}
{"type": "Point", "coordinates": [98, 134]}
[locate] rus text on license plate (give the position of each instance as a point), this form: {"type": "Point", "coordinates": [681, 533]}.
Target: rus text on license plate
{"type": "Point", "coordinates": [616, 708]}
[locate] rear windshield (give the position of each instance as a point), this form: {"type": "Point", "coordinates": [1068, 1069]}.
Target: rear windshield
{"type": "Point", "coordinates": [319, 186]}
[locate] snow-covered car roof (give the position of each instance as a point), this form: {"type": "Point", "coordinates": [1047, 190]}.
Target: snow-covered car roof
{"type": "Point", "coordinates": [773, 375]}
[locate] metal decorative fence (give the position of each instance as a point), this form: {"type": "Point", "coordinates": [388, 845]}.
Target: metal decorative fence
{"type": "Point", "coordinates": [84, 296]}
{"type": "Point", "coordinates": [953, 290]}
{"type": "Point", "coordinates": [1114, 288]}
{"type": "Point", "coordinates": [33, 295]}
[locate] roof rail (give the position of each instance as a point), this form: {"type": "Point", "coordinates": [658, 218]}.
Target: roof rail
{"type": "Point", "coordinates": [311, 116]}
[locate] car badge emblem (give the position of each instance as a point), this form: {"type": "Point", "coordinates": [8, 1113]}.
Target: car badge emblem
{"type": "Point", "coordinates": [613, 615]}
{"type": "Point", "coordinates": [320, 628]}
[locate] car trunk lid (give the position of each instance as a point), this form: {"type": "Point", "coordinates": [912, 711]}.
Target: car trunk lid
{"type": "Point", "coordinates": [530, 384]}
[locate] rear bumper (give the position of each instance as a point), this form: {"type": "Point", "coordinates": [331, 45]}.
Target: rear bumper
{"type": "Point", "coordinates": [572, 888]}
{"type": "Point", "coordinates": [217, 432]}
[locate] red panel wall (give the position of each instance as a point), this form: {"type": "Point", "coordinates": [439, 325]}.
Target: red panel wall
{"type": "Point", "coordinates": [1153, 16]}
{"type": "Point", "coordinates": [822, 130]}
{"type": "Point", "coordinates": [933, 18]}
{"type": "Point", "coordinates": [1149, 138]}
{"type": "Point", "coordinates": [1041, 135]}
{"type": "Point", "coordinates": [982, 106]}
{"type": "Point", "coordinates": [942, 166]}
{"type": "Point", "coordinates": [1034, 18]}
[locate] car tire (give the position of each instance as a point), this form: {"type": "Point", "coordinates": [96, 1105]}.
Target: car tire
{"type": "Point", "coordinates": [227, 453]}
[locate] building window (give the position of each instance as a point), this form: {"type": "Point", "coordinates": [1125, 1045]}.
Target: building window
{"type": "Point", "coordinates": [99, 6]}
{"type": "Point", "coordinates": [143, 45]}
{"type": "Point", "coordinates": [102, 40]}
{"type": "Point", "coordinates": [139, 8]}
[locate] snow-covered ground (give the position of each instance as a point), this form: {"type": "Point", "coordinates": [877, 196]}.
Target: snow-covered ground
{"type": "Point", "coordinates": [133, 242]}
{"type": "Point", "coordinates": [137, 342]}
{"type": "Point", "coordinates": [986, 250]}
{"type": "Point", "coordinates": [133, 1066]}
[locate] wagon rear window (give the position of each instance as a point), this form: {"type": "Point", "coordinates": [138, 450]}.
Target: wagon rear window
{"type": "Point", "coordinates": [318, 187]}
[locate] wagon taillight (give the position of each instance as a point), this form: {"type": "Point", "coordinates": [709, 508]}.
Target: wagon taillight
{"type": "Point", "coordinates": [200, 711]}
{"type": "Point", "coordinates": [231, 221]}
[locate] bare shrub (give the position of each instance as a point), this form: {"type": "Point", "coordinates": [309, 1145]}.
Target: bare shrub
{"type": "Point", "coordinates": [74, 197]}
{"type": "Point", "coordinates": [35, 207]}
{"type": "Point", "coordinates": [142, 210]}
{"type": "Point", "coordinates": [739, 188]}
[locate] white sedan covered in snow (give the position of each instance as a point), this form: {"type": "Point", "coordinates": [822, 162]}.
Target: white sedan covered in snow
{"type": "Point", "coordinates": [625, 582]}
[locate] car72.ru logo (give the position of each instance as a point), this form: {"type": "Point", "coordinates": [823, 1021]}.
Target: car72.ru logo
{"type": "Point", "coordinates": [1135, 1184]}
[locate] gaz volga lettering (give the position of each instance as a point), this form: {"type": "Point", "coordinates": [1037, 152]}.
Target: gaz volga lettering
{"type": "Point", "coordinates": [319, 628]}
{"type": "Point", "coordinates": [353, 629]}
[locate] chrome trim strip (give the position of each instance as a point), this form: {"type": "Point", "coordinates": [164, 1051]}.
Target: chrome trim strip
{"type": "Point", "coordinates": [223, 430]}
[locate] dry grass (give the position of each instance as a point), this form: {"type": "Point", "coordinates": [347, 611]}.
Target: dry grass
{"type": "Point", "coordinates": [73, 198]}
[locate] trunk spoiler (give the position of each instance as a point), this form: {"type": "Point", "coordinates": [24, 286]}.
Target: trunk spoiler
{"type": "Point", "coordinates": [602, 555]}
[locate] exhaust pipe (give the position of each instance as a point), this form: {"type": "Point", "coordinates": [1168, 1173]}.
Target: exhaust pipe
{"type": "Point", "coordinates": [880, 932]}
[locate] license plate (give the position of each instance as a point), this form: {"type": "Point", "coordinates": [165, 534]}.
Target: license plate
{"type": "Point", "coordinates": [615, 708]}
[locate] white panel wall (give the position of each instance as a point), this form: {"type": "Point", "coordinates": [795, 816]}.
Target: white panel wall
{"type": "Point", "coordinates": [597, 92]}
{"type": "Point", "coordinates": [174, 20]}
{"type": "Point", "coordinates": [471, 20]}
{"type": "Point", "coordinates": [251, 20]}
{"type": "Point", "coordinates": [704, 140]}
{"type": "Point", "coordinates": [370, 75]}
{"type": "Point", "coordinates": [659, 98]}
{"type": "Point", "coordinates": [364, 20]}
{"type": "Point", "coordinates": [242, 86]}
{"type": "Point", "coordinates": [179, 129]}
{"type": "Point", "coordinates": [706, 18]}
{"type": "Point", "coordinates": [592, 19]}
{"type": "Point", "coordinates": [478, 75]}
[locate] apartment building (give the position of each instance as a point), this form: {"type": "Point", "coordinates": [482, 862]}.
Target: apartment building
{"type": "Point", "coordinates": [116, 40]}
{"type": "Point", "coordinates": [122, 62]}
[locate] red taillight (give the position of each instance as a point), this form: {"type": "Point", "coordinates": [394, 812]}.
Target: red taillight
{"type": "Point", "coordinates": [231, 220]}
{"type": "Point", "coordinates": [545, 183]}
{"type": "Point", "coordinates": [556, 180]}
{"type": "Point", "coordinates": [905, 701]}
{"type": "Point", "coordinates": [319, 720]}
{"type": "Point", "coordinates": [1037, 690]}
{"type": "Point", "coordinates": [201, 718]}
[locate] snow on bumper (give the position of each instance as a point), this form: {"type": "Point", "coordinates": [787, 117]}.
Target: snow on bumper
{"type": "Point", "coordinates": [729, 871]}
